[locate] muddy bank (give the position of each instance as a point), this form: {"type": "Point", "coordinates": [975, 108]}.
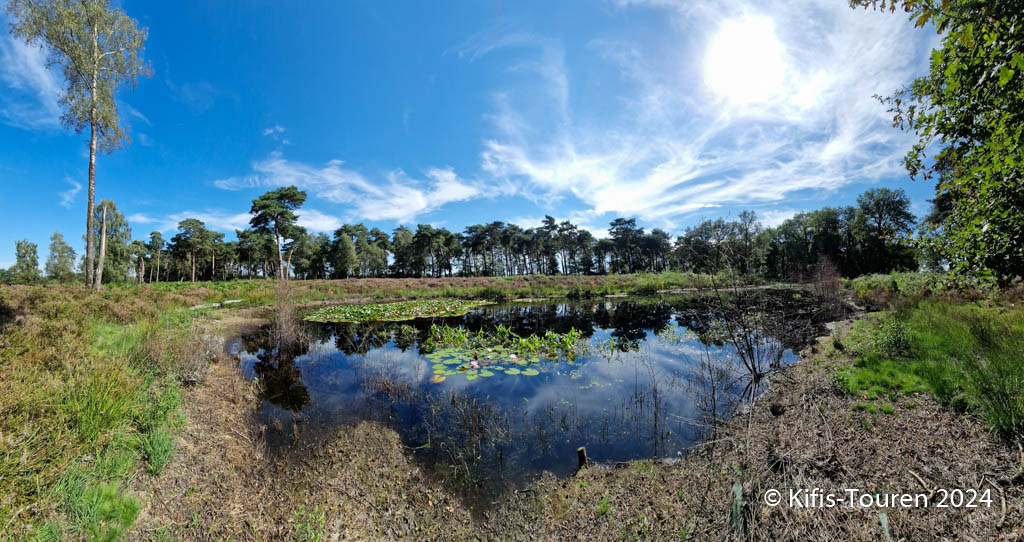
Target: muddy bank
{"type": "Point", "coordinates": [803, 434]}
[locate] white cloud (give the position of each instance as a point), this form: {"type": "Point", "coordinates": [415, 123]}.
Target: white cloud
{"type": "Point", "coordinates": [526, 222]}
{"type": "Point", "coordinates": [276, 132]}
{"type": "Point", "coordinates": [774, 217]}
{"type": "Point", "coordinates": [145, 140]}
{"type": "Point", "coordinates": [140, 218]}
{"type": "Point", "coordinates": [315, 221]}
{"type": "Point", "coordinates": [396, 197]}
{"type": "Point", "coordinates": [670, 145]}
{"type": "Point", "coordinates": [67, 197]}
{"type": "Point", "coordinates": [31, 91]}
{"type": "Point", "coordinates": [134, 113]}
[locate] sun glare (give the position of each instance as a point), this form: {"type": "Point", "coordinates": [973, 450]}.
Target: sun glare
{"type": "Point", "coordinates": [745, 63]}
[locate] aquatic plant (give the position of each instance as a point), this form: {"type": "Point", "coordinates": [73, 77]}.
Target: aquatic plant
{"type": "Point", "coordinates": [503, 344]}
{"type": "Point", "coordinates": [394, 312]}
{"type": "Point", "coordinates": [483, 354]}
{"type": "Point", "coordinates": [676, 335]}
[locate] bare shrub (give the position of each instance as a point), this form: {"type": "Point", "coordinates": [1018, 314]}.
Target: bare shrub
{"type": "Point", "coordinates": [710, 384]}
{"type": "Point", "coordinates": [286, 325]}
{"type": "Point", "coordinates": [825, 279]}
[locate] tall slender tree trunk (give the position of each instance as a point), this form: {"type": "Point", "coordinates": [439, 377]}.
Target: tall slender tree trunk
{"type": "Point", "coordinates": [158, 265]}
{"type": "Point", "coordinates": [280, 257]}
{"type": "Point", "coordinates": [192, 256]}
{"type": "Point", "coordinates": [90, 242]}
{"type": "Point", "coordinates": [103, 252]}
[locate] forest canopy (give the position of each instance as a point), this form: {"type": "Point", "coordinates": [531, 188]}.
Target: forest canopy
{"type": "Point", "coordinates": [869, 237]}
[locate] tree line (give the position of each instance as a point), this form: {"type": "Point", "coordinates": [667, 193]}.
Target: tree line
{"type": "Point", "coordinates": [869, 237]}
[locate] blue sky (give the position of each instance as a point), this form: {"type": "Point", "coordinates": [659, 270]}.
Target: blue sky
{"type": "Point", "coordinates": [455, 113]}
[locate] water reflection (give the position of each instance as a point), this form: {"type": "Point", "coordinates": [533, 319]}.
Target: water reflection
{"type": "Point", "coordinates": [658, 379]}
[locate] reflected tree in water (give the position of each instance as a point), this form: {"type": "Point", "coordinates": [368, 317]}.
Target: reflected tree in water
{"type": "Point", "coordinates": [280, 380]}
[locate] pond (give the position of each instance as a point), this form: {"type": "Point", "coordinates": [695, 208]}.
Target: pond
{"type": "Point", "coordinates": [649, 377]}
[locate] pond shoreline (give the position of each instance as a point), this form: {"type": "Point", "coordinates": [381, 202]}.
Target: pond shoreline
{"type": "Point", "coordinates": [799, 433]}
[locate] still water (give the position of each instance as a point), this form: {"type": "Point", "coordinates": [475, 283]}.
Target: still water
{"type": "Point", "coordinates": [652, 383]}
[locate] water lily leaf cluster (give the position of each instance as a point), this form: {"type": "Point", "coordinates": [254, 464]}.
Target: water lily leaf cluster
{"type": "Point", "coordinates": [481, 363]}
{"type": "Point", "coordinates": [394, 312]}
{"type": "Point", "coordinates": [550, 345]}
{"type": "Point", "coordinates": [482, 354]}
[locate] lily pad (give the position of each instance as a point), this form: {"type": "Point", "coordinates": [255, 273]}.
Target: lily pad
{"type": "Point", "coordinates": [530, 372]}
{"type": "Point", "coordinates": [471, 377]}
{"type": "Point", "coordinates": [437, 379]}
{"type": "Point", "coordinates": [486, 373]}
{"type": "Point", "coordinates": [512, 371]}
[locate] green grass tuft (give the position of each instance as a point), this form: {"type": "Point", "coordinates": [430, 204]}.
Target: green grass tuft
{"type": "Point", "coordinates": [157, 447]}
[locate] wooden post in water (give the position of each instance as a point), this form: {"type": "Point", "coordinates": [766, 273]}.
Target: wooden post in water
{"type": "Point", "coordinates": [581, 456]}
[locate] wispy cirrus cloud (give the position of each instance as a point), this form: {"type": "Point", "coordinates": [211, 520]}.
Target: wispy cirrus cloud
{"type": "Point", "coordinates": [67, 197]}
{"type": "Point", "coordinates": [672, 133]}
{"type": "Point", "coordinates": [395, 196]}
{"type": "Point", "coordinates": [30, 92]}
{"type": "Point", "coordinates": [134, 113]}
{"type": "Point", "coordinates": [673, 143]}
